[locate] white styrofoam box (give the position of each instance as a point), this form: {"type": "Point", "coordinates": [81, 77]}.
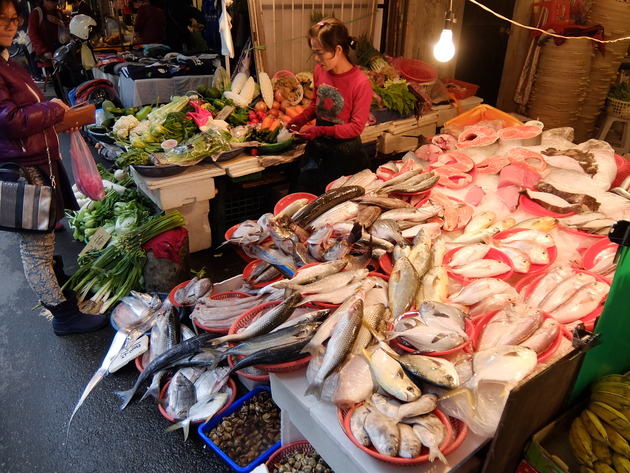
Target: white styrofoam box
{"type": "Point", "coordinates": [197, 224]}
{"type": "Point", "coordinates": [194, 184]}
{"type": "Point", "coordinates": [235, 283]}
{"type": "Point", "coordinates": [446, 112]}
{"type": "Point", "coordinates": [319, 424]}
{"type": "Point", "coordinates": [289, 433]}
{"type": "Point", "coordinates": [402, 136]}
{"type": "Point", "coordinates": [250, 384]}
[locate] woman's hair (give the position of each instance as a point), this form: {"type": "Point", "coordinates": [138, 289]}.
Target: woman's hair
{"type": "Point", "coordinates": [332, 32]}
{"type": "Point", "coordinates": [4, 4]}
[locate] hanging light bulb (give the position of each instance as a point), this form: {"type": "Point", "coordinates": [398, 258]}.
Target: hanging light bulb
{"type": "Point", "coordinates": [444, 49]}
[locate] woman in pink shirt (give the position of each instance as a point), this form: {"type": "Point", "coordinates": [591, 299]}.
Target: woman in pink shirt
{"type": "Point", "coordinates": [341, 104]}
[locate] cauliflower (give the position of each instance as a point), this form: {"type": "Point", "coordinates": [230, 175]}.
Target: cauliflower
{"type": "Point", "coordinates": [124, 125]}
{"type": "Point", "coordinates": [138, 130]}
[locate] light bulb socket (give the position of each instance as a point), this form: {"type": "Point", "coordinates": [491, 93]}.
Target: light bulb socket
{"type": "Point", "coordinates": [449, 19]}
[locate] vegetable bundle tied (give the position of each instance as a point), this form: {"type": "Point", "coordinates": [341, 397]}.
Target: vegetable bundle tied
{"type": "Point", "coordinates": [113, 272]}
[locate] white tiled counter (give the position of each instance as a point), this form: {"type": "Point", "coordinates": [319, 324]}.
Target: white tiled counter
{"type": "Point", "coordinates": [304, 417]}
{"type": "Point", "coordinates": [190, 193]}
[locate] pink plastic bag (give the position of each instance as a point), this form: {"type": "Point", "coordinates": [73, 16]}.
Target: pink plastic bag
{"type": "Point", "coordinates": [84, 168]}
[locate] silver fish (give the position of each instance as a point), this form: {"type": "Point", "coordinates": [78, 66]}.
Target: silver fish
{"type": "Point", "coordinates": [338, 347]}
{"type": "Point", "coordinates": [484, 268]}
{"type": "Point", "coordinates": [415, 214]}
{"type": "Point", "coordinates": [510, 326]}
{"type": "Point", "coordinates": [443, 315]}
{"type": "Point", "coordinates": [383, 433]}
{"type": "Point", "coordinates": [478, 290]}
{"type": "Point", "coordinates": [521, 261]}
{"type": "Point", "coordinates": [434, 286]}
{"type": "Point", "coordinates": [390, 376]}
{"type": "Point", "coordinates": [583, 302]}
{"type": "Point", "coordinates": [494, 302]}
{"type": "Point", "coordinates": [328, 283]}
{"type": "Point", "coordinates": [537, 236]}
{"type": "Point", "coordinates": [564, 290]}
{"type": "Point", "coordinates": [180, 396]}
{"type": "Point", "coordinates": [543, 337]}
{"type": "Point", "coordinates": [410, 445]}
{"type": "Point", "coordinates": [388, 230]}
{"type": "Point", "coordinates": [431, 432]}
{"type": "Point", "coordinates": [292, 208]}
{"type": "Point", "coordinates": [421, 406]}
{"type": "Point", "coordinates": [549, 280]}
{"type": "Point", "coordinates": [357, 425]}
{"type": "Point", "coordinates": [427, 339]}
{"type": "Point", "coordinates": [402, 288]}
{"type": "Point", "coordinates": [340, 213]}
{"type": "Point", "coordinates": [200, 411]}
{"type": "Point", "coordinates": [355, 383]}
{"type": "Point", "coordinates": [467, 253]}
{"type": "Point", "coordinates": [537, 253]}
{"type": "Point", "coordinates": [386, 405]}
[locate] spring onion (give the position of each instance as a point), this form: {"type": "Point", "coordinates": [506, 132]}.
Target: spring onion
{"type": "Point", "coordinates": [114, 271]}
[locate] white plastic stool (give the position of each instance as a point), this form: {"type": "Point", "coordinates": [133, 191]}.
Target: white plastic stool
{"type": "Point", "coordinates": [622, 147]}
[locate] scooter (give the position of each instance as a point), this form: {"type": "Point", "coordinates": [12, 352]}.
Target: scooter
{"type": "Point", "coordinates": [70, 77]}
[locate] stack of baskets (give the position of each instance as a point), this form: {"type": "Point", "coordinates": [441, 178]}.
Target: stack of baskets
{"type": "Point", "coordinates": [561, 83]}
{"type": "Point", "coordinates": [614, 16]}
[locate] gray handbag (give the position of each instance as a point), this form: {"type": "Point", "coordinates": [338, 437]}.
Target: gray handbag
{"type": "Point", "coordinates": [24, 206]}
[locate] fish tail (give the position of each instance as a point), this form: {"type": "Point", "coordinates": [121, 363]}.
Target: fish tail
{"type": "Point", "coordinates": [218, 358]}
{"type": "Point", "coordinates": [151, 391]}
{"type": "Point", "coordinates": [182, 424]}
{"type": "Point", "coordinates": [126, 397]}
{"type": "Point", "coordinates": [436, 453]}
{"type": "Point", "coordinates": [315, 388]}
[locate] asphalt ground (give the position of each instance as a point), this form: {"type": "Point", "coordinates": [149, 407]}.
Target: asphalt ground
{"type": "Point", "coordinates": [42, 377]}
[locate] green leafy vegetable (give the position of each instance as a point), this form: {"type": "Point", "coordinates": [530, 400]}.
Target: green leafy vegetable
{"type": "Point", "coordinates": [620, 92]}
{"type": "Point", "coordinates": [396, 96]}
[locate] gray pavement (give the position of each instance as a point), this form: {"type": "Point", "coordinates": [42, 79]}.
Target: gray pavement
{"type": "Point", "coordinates": [42, 377]}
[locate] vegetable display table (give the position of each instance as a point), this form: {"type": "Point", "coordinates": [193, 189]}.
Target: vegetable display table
{"type": "Point", "coordinates": [189, 193]}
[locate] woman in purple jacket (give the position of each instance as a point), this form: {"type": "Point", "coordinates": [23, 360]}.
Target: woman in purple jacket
{"type": "Point", "coordinates": [27, 137]}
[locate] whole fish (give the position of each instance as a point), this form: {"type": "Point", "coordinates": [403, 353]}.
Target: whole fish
{"type": "Point", "coordinates": [180, 396]}
{"type": "Point", "coordinates": [583, 302]}
{"type": "Point", "coordinates": [420, 257]}
{"type": "Point", "coordinates": [434, 286]}
{"type": "Point", "coordinates": [329, 283]}
{"type": "Point", "coordinates": [494, 302]}
{"type": "Point", "coordinates": [413, 185]}
{"type": "Point", "coordinates": [391, 377]}
{"type": "Point", "coordinates": [357, 425]}
{"type": "Point", "coordinates": [368, 215]}
{"type": "Point", "coordinates": [510, 326]}
{"type": "Point", "coordinates": [431, 369]}
{"type": "Point", "coordinates": [427, 339]}
{"type": "Point", "coordinates": [521, 261]}
{"type": "Point", "coordinates": [362, 178]}
{"type": "Point", "coordinates": [431, 432]}
{"type": "Point", "coordinates": [325, 202]}
{"type": "Point", "coordinates": [355, 383]}
{"type": "Point", "coordinates": [506, 364]}
{"type": "Point", "coordinates": [383, 433]}
{"type": "Point", "coordinates": [338, 296]}
{"type": "Point", "coordinates": [286, 352]}
{"type": "Point", "coordinates": [340, 213]}
{"type": "Point", "coordinates": [388, 230]}
{"type": "Point", "coordinates": [421, 406]}
{"type": "Point", "coordinates": [410, 445]}
{"type": "Point", "coordinates": [480, 221]}
{"type": "Point", "coordinates": [537, 236]}
{"type": "Point", "coordinates": [478, 290]}
{"type": "Point", "coordinates": [339, 346]}
{"type": "Point", "coordinates": [282, 235]}
{"type": "Point", "coordinates": [484, 268]}
{"type": "Point", "coordinates": [549, 280]}
{"type": "Point", "coordinates": [543, 224]}
{"type": "Point", "coordinates": [543, 337]}
{"type": "Point", "coordinates": [403, 286]}
{"type": "Point", "coordinates": [183, 350]}
{"type": "Point", "coordinates": [273, 256]}
{"type": "Point", "coordinates": [266, 322]}
{"type": "Point", "coordinates": [564, 290]}
{"type": "Point", "coordinates": [292, 208]}
{"type": "Point", "coordinates": [443, 315]}
{"type": "Point", "coordinates": [484, 234]}
{"type": "Point", "coordinates": [200, 411]}
{"type": "Point", "coordinates": [265, 341]}
{"type": "Point", "coordinates": [386, 405]}
{"type": "Point", "coordinates": [537, 253]}
{"type": "Point", "coordinates": [385, 203]}
{"type": "Point", "coordinates": [313, 273]}
{"type": "Point", "coordinates": [415, 214]}
{"type": "Point", "coordinates": [372, 316]}
{"type": "Point", "coordinates": [467, 253]}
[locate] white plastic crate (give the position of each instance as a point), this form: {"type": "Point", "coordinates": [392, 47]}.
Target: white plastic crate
{"type": "Point", "coordinates": [194, 184]}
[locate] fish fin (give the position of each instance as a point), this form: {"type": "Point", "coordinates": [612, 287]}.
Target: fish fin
{"type": "Point", "coordinates": [182, 424]}
{"type": "Point", "coordinates": [471, 397]}
{"type": "Point", "coordinates": [218, 358]}
{"type": "Point", "coordinates": [315, 388]}
{"type": "Point", "coordinates": [126, 397]}
{"type": "Point", "coordinates": [436, 453]}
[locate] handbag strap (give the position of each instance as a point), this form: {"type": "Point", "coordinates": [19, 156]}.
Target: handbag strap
{"type": "Point", "coordinates": [52, 176]}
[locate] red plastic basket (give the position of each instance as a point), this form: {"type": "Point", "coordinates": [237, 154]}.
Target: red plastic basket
{"type": "Point", "coordinates": [344, 417]}
{"type": "Point", "coordinates": [222, 296]}
{"type": "Point", "coordinates": [230, 383]}
{"type": "Point", "coordinates": [467, 345]}
{"type": "Point", "coordinates": [287, 450]}
{"type": "Point", "coordinates": [250, 316]}
{"type": "Point", "coordinates": [418, 71]}
{"type": "Point", "coordinates": [460, 89]}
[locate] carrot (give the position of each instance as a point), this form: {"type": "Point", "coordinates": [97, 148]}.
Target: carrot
{"type": "Point", "coordinates": [274, 125]}
{"type": "Point", "coordinates": [286, 119]}
{"type": "Point", "coordinates": [292, 112]}
{"type": "Point", "coordinates": [267, 121]}
{"type": "Point", "coordinates": [299, 108]}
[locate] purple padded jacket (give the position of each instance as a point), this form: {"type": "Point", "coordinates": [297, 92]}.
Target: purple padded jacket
{"type": "Point", "coordinates": [26, 118]}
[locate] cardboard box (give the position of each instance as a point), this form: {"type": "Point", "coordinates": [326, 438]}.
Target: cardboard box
{"type": "Point", "coordinates": [549, 450]}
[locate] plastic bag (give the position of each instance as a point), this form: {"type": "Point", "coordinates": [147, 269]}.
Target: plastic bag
{"type": "Point", "coordinates": [84, 168]}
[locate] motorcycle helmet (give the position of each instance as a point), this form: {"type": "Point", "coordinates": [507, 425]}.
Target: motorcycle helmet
{"type": "Point", "coordinates": [80, 26]}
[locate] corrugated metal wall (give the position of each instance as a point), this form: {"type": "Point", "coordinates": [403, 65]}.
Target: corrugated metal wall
{"type": "Point", "coordinates": [279, 29]}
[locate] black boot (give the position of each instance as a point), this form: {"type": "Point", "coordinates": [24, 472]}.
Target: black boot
{"type": "Point", "coordinates": [68, 319]}
{"type": "Point", "coordinates": [61, 276]}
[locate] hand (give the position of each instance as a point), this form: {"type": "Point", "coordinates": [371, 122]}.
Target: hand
{"type": "Point", "coordinates": [297, 122]}
{"type": "Point", "coordinates": [48, 55]}
{"type": "Point", "coordinates": [313, 132]}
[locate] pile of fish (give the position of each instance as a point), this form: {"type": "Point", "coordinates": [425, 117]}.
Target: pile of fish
{"type": "Point", "coordinates": [426, 284]}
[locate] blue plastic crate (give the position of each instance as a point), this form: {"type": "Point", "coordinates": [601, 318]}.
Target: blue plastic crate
{"type": "Point", "coordinates": [206, 427]}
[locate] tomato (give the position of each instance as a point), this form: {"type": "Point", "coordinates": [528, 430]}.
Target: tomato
{"type": "Point", "coordinates": [274, 111]}
{"type": "Point", "coordinates": [275, 105]}
{"type": "Point", "coordinates": [284, 105]}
